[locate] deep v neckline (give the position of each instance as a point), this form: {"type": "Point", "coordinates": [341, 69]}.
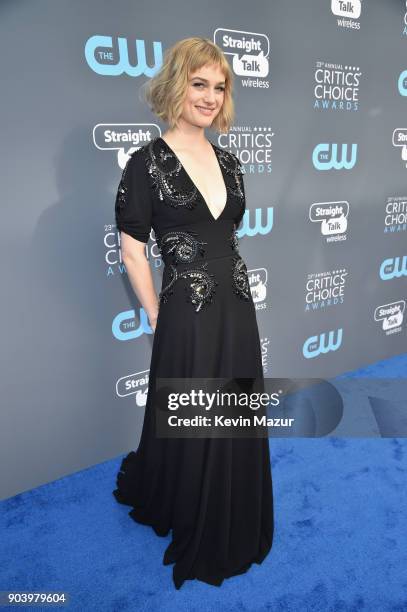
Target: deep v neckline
{"type": "Point", "coordinates": [193, 183]}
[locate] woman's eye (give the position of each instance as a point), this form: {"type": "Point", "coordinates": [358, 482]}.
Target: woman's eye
{"type": "Point", "coordinates": [201, 84]}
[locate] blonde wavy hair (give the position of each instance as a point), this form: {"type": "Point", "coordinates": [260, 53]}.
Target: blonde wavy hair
{"type": "Point", "coordinates": [165, 92]}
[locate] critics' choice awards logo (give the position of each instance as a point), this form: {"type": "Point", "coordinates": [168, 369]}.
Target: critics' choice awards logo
{"type": "Point", "coordinates": [399, 139]}
{"type": "Point", "coordinates": [258, 287]}
{"type": "Point", "coordinates": [125, 326]}
{"type": "Point", "coordinates": [249, 52]}
{"type": "Point", "coordinates": [332, 217]}
{"type": "Point", "coordinates": [391, 317]}
{"type": "Point", "coordinates": [114, 56]}
{"type": "Point", "coordinates": [134, 384]}
{"type": "Point", "coordinates": [347, 13]}
{"type": "Point", "coordinates": [323, 343]}
{"type": "Point", "coordinates": [336, 87]}
{"type": "Point", "coordinates": [326, 156]}
{"type": "Point", "coordinates": [113, 253]}
{"type": "Point", "coordinates": [324, 289]}
{"type": "Point", "coordinates": [393, 267]}
{"type": "Point", "coordinates": [252, 145]}
{"type": "Point", "coordinates": [395, 215]}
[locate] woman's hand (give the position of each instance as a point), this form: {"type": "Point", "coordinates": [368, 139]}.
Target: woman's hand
{"type": "Point", "coordinates": [152, 319]}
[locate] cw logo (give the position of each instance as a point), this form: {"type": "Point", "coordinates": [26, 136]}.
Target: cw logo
{"type": "Point", "coordinates": [402, 83]}
{"type": "Point", "coordinates": [325, 156]}
{"type": "Point", "coordinates": [257, 228]}
{"type": "Point", "coordinates": [124, 325]}
{"type": "Point", "coordinates": [315, 345]}
{"type": "Point", "coordinates": [100, 56]}
{"type": "Point", "coordinates": [393, 267]}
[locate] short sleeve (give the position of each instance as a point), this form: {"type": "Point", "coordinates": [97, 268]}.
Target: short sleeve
{"type": "Point", "coordinates": [133, 206]}
{"type": "Point", "coordinates": [239, 179]}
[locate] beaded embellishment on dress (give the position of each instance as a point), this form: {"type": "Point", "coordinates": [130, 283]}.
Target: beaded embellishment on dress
{"type": "Point", "coordinates": [234, 241]}
{"type": "Point", "coordinates": [202, 286]}
{"type": "Point", "coordinates": [173, 183]}
{"type": "Point", "coordinates": [122, 191]}
{"type": "Point", "coordinates": [183, 246]}
{"type": "Point", "coordinates": [175, 187]}
{"type": "Point", "coordinates": [165, 174]}
{"type": "Point", "coordinates": [232, 166]}
{"type": "Point", "coordinates": [121, 195]}
{"type": "Point", "coordinates": [240, 279]}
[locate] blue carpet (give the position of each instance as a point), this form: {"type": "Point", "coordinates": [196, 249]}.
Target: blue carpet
{"type": "Point", "coordinates": [340, 538]}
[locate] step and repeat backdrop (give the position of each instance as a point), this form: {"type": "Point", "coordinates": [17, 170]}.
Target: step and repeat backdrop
{"type": "Point", "coordinates": [321, 129]}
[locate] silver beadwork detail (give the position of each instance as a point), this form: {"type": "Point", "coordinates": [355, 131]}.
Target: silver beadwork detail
{"type": "Point", "coordinates": [202, 285]}
{"type": "Point", "coordinates": [122, 190]}
{"type": "Point", "coordinates": [240, 279]}
{"type": "Point", "coordinates": [183, 246]}
{"type": "Point", "coordinates": [233, 167]}
{"type": "Point", "coordinates": [163, 178]}
{"type": "Point", "coordinates": [121, 198]}
{"type": "Point", "coordinates": [163, 175]}
{"type": "Point", "coordinates": [234, 241]}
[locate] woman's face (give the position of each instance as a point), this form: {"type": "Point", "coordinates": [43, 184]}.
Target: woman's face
{"type": "Point", "coordinates": [205, 95]}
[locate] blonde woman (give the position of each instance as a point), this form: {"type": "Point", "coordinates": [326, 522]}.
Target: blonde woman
{"type": "Point", "coordinates": [215, 494]}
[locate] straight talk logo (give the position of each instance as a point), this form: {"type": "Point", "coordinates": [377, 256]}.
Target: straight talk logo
{"type": "Point", "coordinates": [347, 12]}
{"type": "Point", "coordinates": [249, 52]}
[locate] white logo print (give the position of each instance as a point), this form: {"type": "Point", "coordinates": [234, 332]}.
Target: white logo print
{"type": "Point", "coordinates": [391, 315]}
{"type": "Point", "coordinates": [249, 51]}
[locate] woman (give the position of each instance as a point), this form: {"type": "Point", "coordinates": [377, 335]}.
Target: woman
{"type": "Point", "coordinates": [214, 493]}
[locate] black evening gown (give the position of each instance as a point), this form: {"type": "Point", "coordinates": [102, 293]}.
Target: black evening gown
{"type": "Point", "coordinates": [214, 493]}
